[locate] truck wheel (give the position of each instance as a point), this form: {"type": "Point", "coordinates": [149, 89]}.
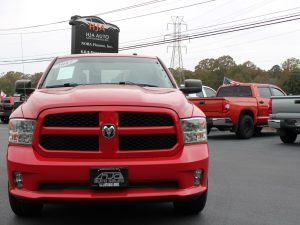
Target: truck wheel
{"type": "Point", "coordinates": [288, 137]}
{"type": "Point", "coordinates": [246, 127]}
{"type": "Point", "coordinates": [24, 209]}
{"type": "Point", "coordinates": [191, 207]}
{"type": "Point", "coordinates": [208, 130]}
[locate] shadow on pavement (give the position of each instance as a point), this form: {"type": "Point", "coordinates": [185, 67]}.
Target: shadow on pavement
{"type": "Point", "coordinates": [231, 136]}
{"type": "Point", "coordinates": [132, 213]}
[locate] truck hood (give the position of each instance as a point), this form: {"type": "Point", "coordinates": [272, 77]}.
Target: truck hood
{"type": "Point", "coordinates": [106, 95]}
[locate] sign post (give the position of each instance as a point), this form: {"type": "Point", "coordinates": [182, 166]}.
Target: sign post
{"type": "Point", "coordinates": [91, 34]}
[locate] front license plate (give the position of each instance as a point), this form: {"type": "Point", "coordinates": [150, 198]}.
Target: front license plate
{"type": "Point", "coordinates": [109, 177]}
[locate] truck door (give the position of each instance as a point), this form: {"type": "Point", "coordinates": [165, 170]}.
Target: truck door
{"type": "Point", "coordinates": [263, 104]}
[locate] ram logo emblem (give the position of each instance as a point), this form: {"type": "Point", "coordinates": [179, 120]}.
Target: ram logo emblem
{"type": "Point", "coordinates": [108, 130]}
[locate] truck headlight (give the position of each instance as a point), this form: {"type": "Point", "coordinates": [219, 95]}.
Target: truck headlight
{"type": "Point", "coordinates": [21, 131]}
{"type": "Point", "coordinates": [194, 130]}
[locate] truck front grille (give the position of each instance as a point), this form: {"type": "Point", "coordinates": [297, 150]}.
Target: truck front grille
{"type": "Point", "coordinates": [144, 142]}
{"type": "Point", "coordinates": [138, 119]}
{"type": "Point", "coordinates": [70, 142]}
{"type": "Point", "coordinates": [83, 119]}
{"type": "Point", "coordinates": [82, 131]}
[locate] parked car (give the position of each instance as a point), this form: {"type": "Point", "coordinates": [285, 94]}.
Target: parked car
{"type": "Point", "coordinates": [243, 108]}
{"type": "Point", "coordinates": [285, 117]}
{"type": "Point", "coordinates": [6, 108]}
{"type": "Point", "coordinates": [107, 127]}
{"type": "Point", "coordinates": [206, 92]}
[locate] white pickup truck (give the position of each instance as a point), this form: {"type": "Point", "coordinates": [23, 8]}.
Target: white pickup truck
{"type": "Point", "coordinates": [285, 117]}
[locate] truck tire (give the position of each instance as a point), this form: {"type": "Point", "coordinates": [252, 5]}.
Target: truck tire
{"type": "Point", "coordinates": [245, 128]}
{"type": "Point", "coordinates": [257, 131]}
{"type": "Point", "coordinates": [208, 130]}
{"type": "Point", "coordinates": [24, 209]}
{"type": "Point", "coordinates": [288, 137]}
{"type": "Point", "coordinates": [191, 207]}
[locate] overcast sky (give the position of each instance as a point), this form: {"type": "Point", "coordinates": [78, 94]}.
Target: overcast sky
{"type": "Point", "coordinates": [265, 46]}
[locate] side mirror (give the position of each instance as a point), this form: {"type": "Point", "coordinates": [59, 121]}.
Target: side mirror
{"type": "Point", "coordinates": [192, 86]}
{"type": "Point", "coordinates": [23, 87]}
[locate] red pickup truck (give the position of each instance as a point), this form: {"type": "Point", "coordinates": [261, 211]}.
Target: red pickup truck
{"type": "Point", "coordinates": [243, 108]}
{"type": "Point", "coordinates": [103, 127]}
{"type": "Point", "coordinates": [6, 108]}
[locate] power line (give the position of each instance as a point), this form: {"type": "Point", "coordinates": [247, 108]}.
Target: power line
{"type": "Point", "coordinates": [220, 31]}
{"type": "Point", "coordinates": [215, 25]}
{"type": "Point", "coordinates": [36, 55]}
{"type": "Point", "coordinates": [148, 38]}
{"type": "Point", "coordinates": [35, 32]}
{"type": "Point", "coordinates": [162, 35]}
{"type": "Point", "coordinates": [97, 14]}
{"type": "Point", "coordinates": [233, 21]}
{"type": "Point", "coordinates": [118, 20]}
{"type": "Point", "coordinates": [32, 61]}
{"type": "Point", "coordinates": [262, 15]}
{"type": "Point", "coordinates": [162, 11]}
{"type": "Point", "coordinates": [246, 42]}
{"type": "Point", "coordinates": [130, 7]}
{"type": "Point", "coordinates": [27, 60]}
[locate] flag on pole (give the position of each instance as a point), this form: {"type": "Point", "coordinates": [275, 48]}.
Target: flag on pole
{"type": "Point", "coordinates": [226, 80]}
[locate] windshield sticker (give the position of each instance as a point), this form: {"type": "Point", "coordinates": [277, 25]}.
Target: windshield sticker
{"type": "Point", "coordinates": [65, 63]}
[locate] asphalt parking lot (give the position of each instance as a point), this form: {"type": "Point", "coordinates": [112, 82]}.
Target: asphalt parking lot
{"type": "Point", "coordinates": [254, 181]}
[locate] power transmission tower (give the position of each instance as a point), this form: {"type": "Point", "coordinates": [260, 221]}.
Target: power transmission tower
{"type": "Point", "coordinates": [176, 60]}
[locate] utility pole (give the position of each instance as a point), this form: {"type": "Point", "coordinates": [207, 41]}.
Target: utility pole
{"type": "Point", "coordinates": [176, 60]}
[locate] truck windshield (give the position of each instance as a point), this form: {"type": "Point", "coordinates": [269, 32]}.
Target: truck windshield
{"type": "Point", "coordinates": [107, 70]}
{"type": "Point", "coordinates": [235, 91]}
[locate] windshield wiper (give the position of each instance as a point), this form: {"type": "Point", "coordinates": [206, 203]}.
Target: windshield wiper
{"type": "Point", "coordinates": [138, 84]}
{"type": "Point", "coordinates": [63, 85]}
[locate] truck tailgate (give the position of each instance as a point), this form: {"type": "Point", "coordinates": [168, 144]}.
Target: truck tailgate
{"type": "Point", "coordinates": [286, 105]}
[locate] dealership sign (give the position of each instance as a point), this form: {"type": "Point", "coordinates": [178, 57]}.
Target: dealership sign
{"type": "Point", "coordinates": [91, 34]}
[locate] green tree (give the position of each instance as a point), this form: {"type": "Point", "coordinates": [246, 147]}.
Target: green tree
{"type": "Point", "coordinates": [275, 71]}
{"type": "Point", "coordinates": [7, 81]}
{"type": "Point", "coordinates": [187, 74]}
{"type": "Point", "coordinates": [290, 64]}
{"type": "Point", "coordinates": [35, 78]}
{"type": "Point", "coordinates": [212, 71]}
{"type": "Point", "coordinates": [206, 64]}
{"type": "Point", "coordinates": [292, 83]}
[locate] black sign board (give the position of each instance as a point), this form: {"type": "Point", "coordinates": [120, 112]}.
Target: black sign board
{"type": "Point", "coordinates": [91, 34]}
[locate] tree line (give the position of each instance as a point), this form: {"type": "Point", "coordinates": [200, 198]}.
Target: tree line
{"type": "Point", "coordinates": [212, 71]}
{"type": "Point", "coordinates": [7, 81]}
